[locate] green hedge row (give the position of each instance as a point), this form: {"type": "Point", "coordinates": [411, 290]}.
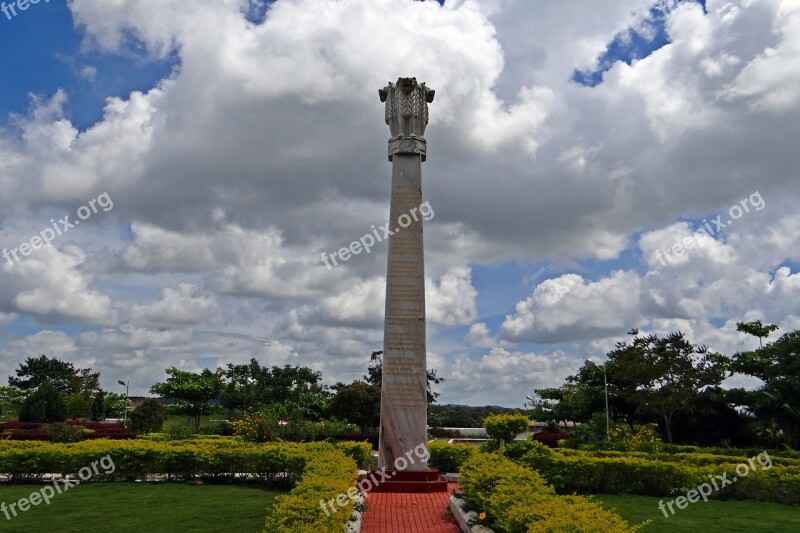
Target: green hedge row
{"type": "Point", "coordinates": [698, 459]}
{"type": "Point", "coordinates": [585, 472]}
{"type": "Point", "coordinates": [684, 449]}
{"type": "Point", "coordinates": [317, 471]}
{"type": "Point", "coordinates": [634, 475]}
{"type": "Point", "coordinates": [214, 459]}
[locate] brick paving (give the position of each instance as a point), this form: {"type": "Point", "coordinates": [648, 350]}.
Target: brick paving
{"type": "Point", "coordinates": [410, 513]}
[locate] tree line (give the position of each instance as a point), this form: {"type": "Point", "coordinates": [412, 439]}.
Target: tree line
{"type": "Point", "coordinates": [46, 389]}
{"type": "Point", "coordinates": [676, 384]}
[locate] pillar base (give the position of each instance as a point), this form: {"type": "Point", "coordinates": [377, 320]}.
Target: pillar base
{"type": "Point", "coordinates": [408, 482]}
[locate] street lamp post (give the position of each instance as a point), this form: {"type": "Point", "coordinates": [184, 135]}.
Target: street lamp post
{"type": "Point", "coordinates": [591, 364]}
{"type": "Point", "coordinates": [125, 411]}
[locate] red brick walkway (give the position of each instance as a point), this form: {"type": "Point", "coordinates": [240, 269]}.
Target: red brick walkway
{"type": "Point", "coordinates": [409, 513]}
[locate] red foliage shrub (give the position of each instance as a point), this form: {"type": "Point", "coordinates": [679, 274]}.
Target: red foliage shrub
{"type": "Point", "coordinates": [550, 439]}
{"type": "Point", "coordinates": [35, 431]}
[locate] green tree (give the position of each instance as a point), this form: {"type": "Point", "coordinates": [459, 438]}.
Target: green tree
{"type": "Point", "coordinates": [574, 401]}
{"type": "Point", "coordinates": [45, 404]}
{"type": "Point", "coordinates": [757, 329]}
{"type": "Point", "coordinates": [664, 376]}
{"type": "Point", "coordinates": [85, 382]}
{"type": "Point", "coordinates": [777, 402]}
{"type": "Point", "coordinates": [251, 386]}
{"type": "Point", "coordinates": [99, 406]}
{"type": "Point", "coordinates": [37, 370]}
{"type": "Point", "coordinates": [78, 405]}
{"type": "Point", "coordinates": [375, 376]}
{"type": "Point", "coordinates": [115, 404]}
{"type": "Point", "coordinates": [358, 403]}
{"type": "Point", "coordinates": [11, 399]}
{"type": "Point", "coordinates": [191, 391]}
{"type": "Point", "coordinates": [148, 417]}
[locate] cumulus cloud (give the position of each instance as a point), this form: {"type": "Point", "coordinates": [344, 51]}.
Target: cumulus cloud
{"type": "Point", "coordinates": [49, 285]}
{"type": "Point", "coordinates": [265, 148]}
{"type": "Point", "coordinates": [570, 307]}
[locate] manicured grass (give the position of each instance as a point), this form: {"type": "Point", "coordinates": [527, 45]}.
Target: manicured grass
{"type": "Point", "coordinates": [139, 507]}
{"type": "Point", "coordinates": [714, 515]}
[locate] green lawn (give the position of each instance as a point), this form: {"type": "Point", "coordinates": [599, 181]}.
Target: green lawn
{"type": "Point", "coordinates": [727, 516]}
{"type": "Point", "coordinates": [138, 507]}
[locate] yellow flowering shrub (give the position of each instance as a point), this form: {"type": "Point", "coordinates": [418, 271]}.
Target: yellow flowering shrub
{"type": "Point", "coordinates": [575, 514]}
{"type": "Point", "coordinates": [325, 477]}
{"type": "Point", "coordinates": [318, 471]}
{"type": "Point", "coordinates": [449, 457]}
{"type": "Point", "coordinates": [515, 499]}
{"type": "Point", "coordinates": [644, 439]}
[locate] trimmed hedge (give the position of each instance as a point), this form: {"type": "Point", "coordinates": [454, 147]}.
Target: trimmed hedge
{"type": "Point", "coordinates": [583, 472]}
{"type": "Point", "coordinates": [317, 471]}
{"type": "Point", "coordinates": [326, 476]}
{"type": "Point", "coordinates": [589, 474]}
{"type": "Point", "coordinates": [697, 459]}
{"type": "Point", "coordinates": [514, 499]}
{"type": "Point", "coordinates": [214, 459]}
{"type": "Point", "coordinates": [684, 449]}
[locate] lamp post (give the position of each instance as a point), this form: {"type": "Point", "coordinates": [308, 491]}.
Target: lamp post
{"type": "Point", "coordinates": [591, 364]}
{"type": "Point", "coordinates": [125, 411]}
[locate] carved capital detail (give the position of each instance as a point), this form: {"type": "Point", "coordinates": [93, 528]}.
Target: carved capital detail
{"type": "Point", "coordinates": [408, 146]}
{"type": "Point", "coordinates": [406, 107]}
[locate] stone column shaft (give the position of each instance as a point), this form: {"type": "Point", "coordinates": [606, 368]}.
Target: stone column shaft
{"type": "Point", "coordinates": [404, 405]}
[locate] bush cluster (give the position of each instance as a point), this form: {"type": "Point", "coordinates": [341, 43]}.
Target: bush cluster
{"type": "Point", "coordinates": [505, 428]}
{"type": "Point", "coordinates": [268, 426]}
{"type": "Point", "coordinates": [514, 499]}
{"type": "Point", "coordinates": [148, 417]}
{"type": "Point", "coordinates": [449, 457]}
{"type": "Point", "coordinates": [551, 439]}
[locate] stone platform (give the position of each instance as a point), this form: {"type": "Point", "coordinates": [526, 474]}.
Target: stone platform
{"type": "Point", "coordinates": [409, 482]}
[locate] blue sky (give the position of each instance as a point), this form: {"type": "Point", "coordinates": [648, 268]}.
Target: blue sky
{"type": "Point", "coordinates": [569, 145]}
{"type": "Point", "coordinates": [49, 55]}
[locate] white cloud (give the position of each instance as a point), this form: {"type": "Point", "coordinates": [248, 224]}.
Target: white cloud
{"type": "Point", "coordinates": [452, 299]}
{"type": "Point", "coordinates": [570, 307]}
{"type": "Point", "coordinates": [185, 305]}
{"type": "Point", "coordinates": [49, 285]}
{"type": "Point", "coordinates": [265, 148]}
